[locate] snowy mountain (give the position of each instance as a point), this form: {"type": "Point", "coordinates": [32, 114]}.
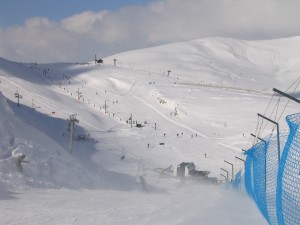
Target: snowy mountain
{"type": "Point", "coordinates": [183, 102]}
{"type": "Point", "coordinates": [259, 65]}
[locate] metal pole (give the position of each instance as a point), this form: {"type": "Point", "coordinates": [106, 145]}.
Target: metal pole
{"type": "Point", "coordinates": [278, 140]}
{"type": "Point", "coordinates": [71, 134]}
{"type": "Point", "coordinates": [265, 142]}
{"type": "Point", "coordinates": [286, 95]}
{"type": "Point", "coordinates": [223, 176]}
{"type": "Point", "coordinates": [18, 96]}
{"type": "Point", "coordinates": [232, 174]}
{"type": "Point", "coordinates": [72, 123]}
{"type": "Point", "coordinates": [259, 138]}
{"type": "Point", "coordinates": [226, 173]}
{"type": "Point", "coordinates": [79, 93]}
{"type": "Point", "coordinates": [239, 158]}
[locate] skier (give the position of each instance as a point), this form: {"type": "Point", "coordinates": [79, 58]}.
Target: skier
{"type": "Point", "coordinates": [20, 160]}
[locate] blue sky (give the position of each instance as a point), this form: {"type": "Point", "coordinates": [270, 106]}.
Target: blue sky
{"type": "Point", "coordinates": [15, 12]}
{"type": "Point", "coordinates": [76, 30]}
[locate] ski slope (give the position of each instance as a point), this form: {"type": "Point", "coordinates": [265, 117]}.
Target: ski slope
{"type": "Point", "coordinates": [205, 105]}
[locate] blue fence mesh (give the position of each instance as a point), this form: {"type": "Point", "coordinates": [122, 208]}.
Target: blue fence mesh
{"type": "Point", "coordinates": [273, 161]}
{"type": "Point", "coordinates": [258, 153]}
{"type": "Point", "coordinates": [249, 176]}
{"type": "Point", "coordinates": [272, 177]}
{"type": "Point", "coordinates": [288, 186]}
{"type": "Point", "coordinates": [239, 182]}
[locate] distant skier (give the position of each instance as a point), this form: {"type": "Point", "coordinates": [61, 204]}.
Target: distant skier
{"type": "Point", "coordinates": [20, 160]}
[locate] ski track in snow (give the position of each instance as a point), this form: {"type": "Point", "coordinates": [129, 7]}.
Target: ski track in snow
{"type": "Point", "coordinates": [94, 186]}
{"type": "Point", "coordinates": [167, 118]}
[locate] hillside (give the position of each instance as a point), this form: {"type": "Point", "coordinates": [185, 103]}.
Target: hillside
{"type": "Point", "coordinates": [202, 111]}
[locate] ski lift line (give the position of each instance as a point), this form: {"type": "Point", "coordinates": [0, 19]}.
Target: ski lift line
{"type": "Point", "coordinates": [174, 122]}
{"type": "Point", "coordinates": [28, 92]}
{"type": "Point", "coordinates": [135, 68]}
{"type": "Point", "coordinates": [43, 101]}
{"type": "Point", "coordinates": [47, 105]}
{"type": "Point", "coordinates": [209, 85]}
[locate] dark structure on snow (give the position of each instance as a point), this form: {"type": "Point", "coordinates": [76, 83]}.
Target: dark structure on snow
{"type": "Point", "coordinates": [186, 169]}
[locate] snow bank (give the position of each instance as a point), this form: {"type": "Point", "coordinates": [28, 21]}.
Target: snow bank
{"type": "Point", "coordinates": [49, 165]}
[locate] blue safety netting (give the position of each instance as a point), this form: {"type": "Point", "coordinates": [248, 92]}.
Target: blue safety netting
{"type": "Point", "coordinates": [249, 176]}
{"type": "Point", "coordinates": [257, 189]}
{"type": "Point", "coordinates": [238, 182]}
{"type": "Point", "coordinates": [288, 186]}
{"type": "Point", "coordinates": [272, 175]}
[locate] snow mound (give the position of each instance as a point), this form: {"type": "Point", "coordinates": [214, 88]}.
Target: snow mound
{"type": "Point", "coordinates": [49, 166]}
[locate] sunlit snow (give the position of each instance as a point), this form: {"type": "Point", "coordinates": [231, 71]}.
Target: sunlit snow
{"type": "Point", "coordinates": [203, 111]}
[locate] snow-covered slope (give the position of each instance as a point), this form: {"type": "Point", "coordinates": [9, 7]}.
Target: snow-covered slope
{"type": "Point", "coordinates": [257, 65]}
{"type": "Point", "coordinates": [202, 111]}
{"type": "Point", "coordinates": [50, 166]}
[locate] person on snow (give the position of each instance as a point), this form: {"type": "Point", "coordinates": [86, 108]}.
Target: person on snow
{"type": "Point", "coordinates": [20, 160]}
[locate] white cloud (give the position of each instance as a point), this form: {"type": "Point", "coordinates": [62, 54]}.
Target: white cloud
{"type": "Point", "coordinates": [80, 36]}
{"type": "Point", "coordinates": [83, 22]}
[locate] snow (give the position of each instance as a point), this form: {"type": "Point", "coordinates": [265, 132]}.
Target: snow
{"type": "Point", "coordinates": [206, 105]}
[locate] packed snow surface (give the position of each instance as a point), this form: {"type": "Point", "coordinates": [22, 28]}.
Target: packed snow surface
{"type": "Point", "coordinates": [139, 113]}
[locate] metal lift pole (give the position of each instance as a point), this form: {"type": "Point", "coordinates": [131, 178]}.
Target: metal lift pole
{"type": "Point", "coordinates": [226, 173]}
{"type": "Point", "coordinates": [286, 95]}
{"type": "Point", "coordinates": [278, 140]}
{"type": "Point", "coordinates": [232, 173]}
